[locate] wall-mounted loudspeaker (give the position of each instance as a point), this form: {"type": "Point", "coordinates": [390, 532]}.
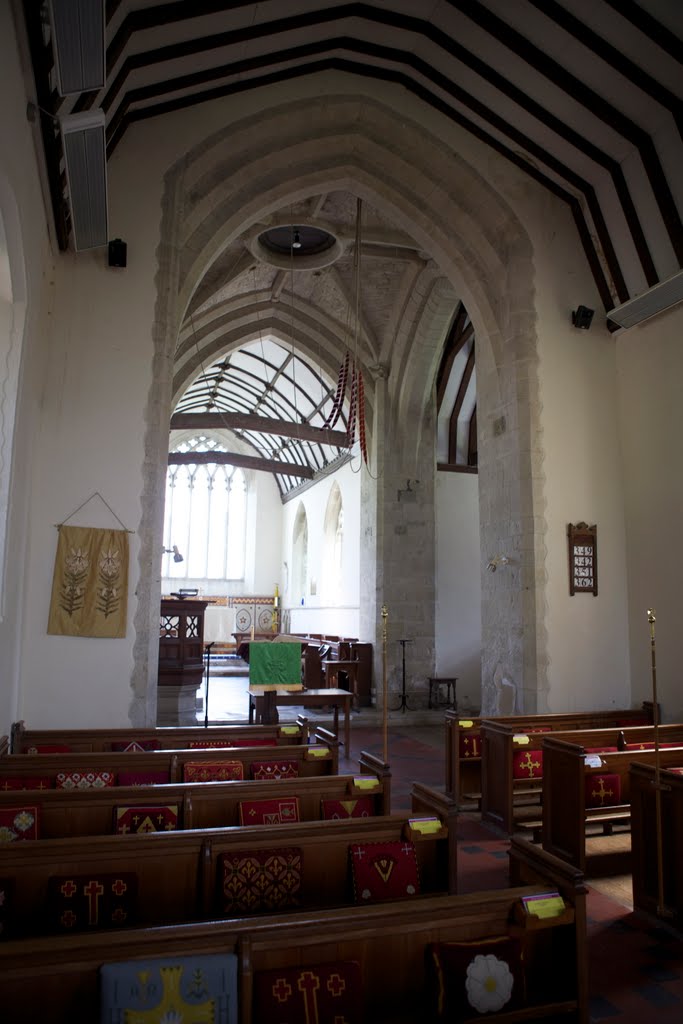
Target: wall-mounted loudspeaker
{"type": "Point", "coordinates": [117, 253]}
{"type": "Point", "coordinates": [582, 317]}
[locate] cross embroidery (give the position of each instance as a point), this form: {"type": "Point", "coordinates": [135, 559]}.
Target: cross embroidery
{"type": "Point", "coordinates": [529, 763]}
{"type": "Point", "coordinates": [602, 792]}
{"type": "Point", "coordinates": [308, 984]}
{"type": "Point", "coordinates": [336, 984]}
{"type": "Point", "coordinates": [282, 990]}
{"type": "Point", "coordinates": [93, 890]}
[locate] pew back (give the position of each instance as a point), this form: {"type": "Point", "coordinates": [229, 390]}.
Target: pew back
{"type": "Point", "coordinates": [506, 749]}
{"type": "Point", "coordinates": [564, 791]}
{"type": "Point", "coordinates": [25, 740]}
{"type": "Point", "coordinates": [387, 940]}
{"type": "Point", "coordinates": [320, 758]}
{"type": "Point", "coordinates": [646, 846]}
{"type": "Point", "coordinates": [202, 805]}
{"type": "Point", "coordinates": [463, 756]}
{"type": "Point", "coordinates": [177, 873]}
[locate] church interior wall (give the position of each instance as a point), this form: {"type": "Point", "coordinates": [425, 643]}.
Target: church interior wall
{"type": "Point", "coordinates": [312, 612]}
{"type": "Point", "coordinates": [649, 370]}
{"type": "Point", "coordinates": [587, 636]}
{"type": "Point", "coordinates": [30, 279]}
{"type": "Point", "coordinates": [458, 584]}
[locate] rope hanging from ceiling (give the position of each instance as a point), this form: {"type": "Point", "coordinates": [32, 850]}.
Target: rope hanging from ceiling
{"type": "Point", "coordinates": [350, 375]}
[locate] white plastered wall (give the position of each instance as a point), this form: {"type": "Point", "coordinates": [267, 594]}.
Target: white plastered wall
{"type": "Point", "coordinates": [315, 615]}
{"type": "Point", "coordinates": [588, 658]}
{"type": "Point", "coordinates": [23, 345]}
{"type": "Point", "coordinates": [650, 370]}
{"type": "Point", "coordinates": [458, 584]}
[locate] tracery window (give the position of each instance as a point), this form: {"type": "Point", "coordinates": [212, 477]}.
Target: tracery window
{"type": "Point", "coordinates": [205, 517]}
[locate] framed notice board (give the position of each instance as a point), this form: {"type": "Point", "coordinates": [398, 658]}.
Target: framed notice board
{"type": "Point", "coordinates": [583, 558]}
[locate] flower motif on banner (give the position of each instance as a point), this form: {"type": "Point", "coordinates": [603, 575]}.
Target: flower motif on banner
{"type": "Point", "coordinates": [489, 983]}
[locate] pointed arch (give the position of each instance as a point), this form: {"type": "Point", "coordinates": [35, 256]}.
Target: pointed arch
{"type": "Point", "coordinates": [351, 141]}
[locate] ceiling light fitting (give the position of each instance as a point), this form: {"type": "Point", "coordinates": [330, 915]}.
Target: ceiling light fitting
{"type": "Point", "coordinates": [296, 243]}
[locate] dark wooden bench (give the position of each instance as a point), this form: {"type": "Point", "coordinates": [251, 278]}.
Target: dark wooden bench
{"type": "Point", "coordinates": [463, 744]}
{"type": "Point", "coordinates": [318, 758]}
{"type": "Point", "coordinates": [503, 795]}
{"type": "Point", "coordinates": [201, 805]}
{"type": "Point", "coordinates": [565, 813]}
{"type": "Point", "coordinates": [644, 853]}
{"type": "Point", "coordinates": [177, 874]}
{"type": "Point", "coordinates": [25, 740]}
{"type": "Point", "coordinates": [388, 940]}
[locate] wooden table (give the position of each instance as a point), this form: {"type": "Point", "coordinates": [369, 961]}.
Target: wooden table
{"type": "Point", "coordinates": [328, 697]}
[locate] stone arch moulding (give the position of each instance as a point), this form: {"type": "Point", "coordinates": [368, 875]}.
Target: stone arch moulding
{"type": "Point", "coordinates": [354, 143]}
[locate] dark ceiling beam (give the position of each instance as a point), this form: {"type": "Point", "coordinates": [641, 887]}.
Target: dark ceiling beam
{"type": "Point", "coordinates": [457, 408]}
{"type": "Point", "coordinates": [591, 101]}
{"type": "Point", "coordinates": [616, 59]}
{"type": "Point", "coordinates": [41, 60]}
{"type": "Point", "coordinates": [457, 338]}
{"type": "Point", "coordinates": [448, 45]}
{"type": "Point", "coordinates": [472, 445]}
{"type": "Point", "coordinates": [649, 26]}
{"type": "Point", "coordinates": [388, 75]}
{"type": "Point", "coordinates": [260, 424]}
{"type": "Point", "coordinates": [243, 461]}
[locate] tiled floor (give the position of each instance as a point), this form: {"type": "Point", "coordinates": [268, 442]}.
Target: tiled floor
{"type": "Point", "coordinates": [635, 966]}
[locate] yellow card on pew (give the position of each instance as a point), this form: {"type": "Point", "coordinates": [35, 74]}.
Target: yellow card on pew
{"type": "Point", "coordinates": [290, 730]}
{"type": "Point", "coordinates": [317, 751]}
{"type": "Point", "coordinates": [520, 738]}
{"type": "Point", "coordinates": [466, 724]}
{"type": "Point", "coordinates": [361, 782]}
{"type": "Point", "coordinates": [425, 826]}
{"type": "Point", "coordinates": [549, 904]}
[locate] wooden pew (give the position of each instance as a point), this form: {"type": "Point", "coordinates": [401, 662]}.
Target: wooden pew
{"type": "Point", "coordinates": [178, 874]}
{"type": "Point", "coordinates": [318, 758]}
{"type": "Point", "coordinates": [644, 853]}
{"type": "Point", "coordinates": [81, 740]}
{"type": "Point", "coordinates": [565, 814]}
{"type": "Point", "coordinates": [501, 743]}
{"type": "Point", "coordinates": [388, 940]}
{"type": "Point", "coordinates": [463, 758]}
{"type": "Point", "coordinates": [91, 812]}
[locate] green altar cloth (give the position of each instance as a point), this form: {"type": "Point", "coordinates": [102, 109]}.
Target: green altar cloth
{"type": "Point", "coordinates": [275, 664]}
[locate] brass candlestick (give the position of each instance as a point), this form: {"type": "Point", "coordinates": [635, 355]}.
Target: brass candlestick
{"type": "Point", "coordinates": [385, 693]}
{"type": "Point", "coordinates": [661, 909]}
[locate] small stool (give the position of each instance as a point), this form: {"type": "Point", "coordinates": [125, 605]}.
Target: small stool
{"type": "Point", "coordinates": [442, 681]}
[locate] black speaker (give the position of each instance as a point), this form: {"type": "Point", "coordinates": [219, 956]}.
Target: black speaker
{"type": "Point", "coordinates": [117, 253]}
{"type": "Point", "coordinates": [581, 317]}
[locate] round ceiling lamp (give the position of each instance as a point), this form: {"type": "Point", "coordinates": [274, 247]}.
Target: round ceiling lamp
{"type": "Point", "coordinates": [296, 246]}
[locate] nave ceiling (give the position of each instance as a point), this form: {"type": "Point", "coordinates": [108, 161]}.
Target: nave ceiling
{"type": "Point", "coordinates": [584, 97]}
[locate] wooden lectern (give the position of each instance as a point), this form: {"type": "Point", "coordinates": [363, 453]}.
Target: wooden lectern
{"type": "Point", "coordinates": [181, 660]}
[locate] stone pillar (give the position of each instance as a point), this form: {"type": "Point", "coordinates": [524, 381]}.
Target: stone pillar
{"type": "Point", "coordinates": [512, 521]}
{"type": "Point", "coordinates": [400, 547]}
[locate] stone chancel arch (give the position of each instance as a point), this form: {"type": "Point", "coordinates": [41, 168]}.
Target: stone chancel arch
{"type": "Point", "coordinates": [480, 252]}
